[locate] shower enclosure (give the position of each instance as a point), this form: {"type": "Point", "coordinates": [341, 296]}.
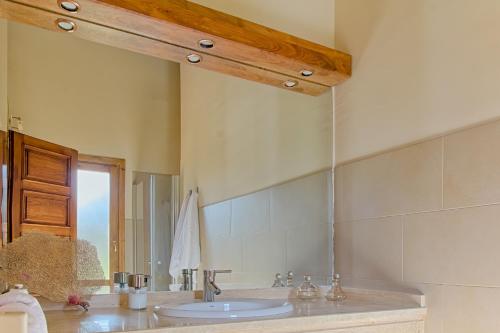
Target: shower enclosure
{"type": "Point", "coordinates": [155, 202]}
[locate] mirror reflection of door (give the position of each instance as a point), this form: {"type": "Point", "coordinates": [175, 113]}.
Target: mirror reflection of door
{"type": "Point", "coordinates": [42, 187]}
{"type": "Point", "coordinates": [100, 209]}
{"type": "Point", "coordinates": [55, 190]}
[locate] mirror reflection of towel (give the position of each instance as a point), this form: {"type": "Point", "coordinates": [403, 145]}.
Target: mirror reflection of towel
{"type": "Point", "coordinates": [186, 249]}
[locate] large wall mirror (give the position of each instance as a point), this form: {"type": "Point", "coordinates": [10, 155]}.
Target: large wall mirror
{"type": "Point", "coordinates": [129, 136]}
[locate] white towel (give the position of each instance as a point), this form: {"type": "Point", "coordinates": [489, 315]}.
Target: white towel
{"type": "Point", "coordinates": [186, 249]}
{"type": "Point", "coordinates": [15, 301]}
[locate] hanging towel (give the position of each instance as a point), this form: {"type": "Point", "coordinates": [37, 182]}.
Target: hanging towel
{"type": "Point", "coordinates": [14, 301]}
{"type": "Point", "coordinates": [174, 270]}
{"type": "Point", "coordinates": [186, 249]}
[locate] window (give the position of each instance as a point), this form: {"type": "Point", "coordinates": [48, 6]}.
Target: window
{"type": "Point", "coordinates": [93, 212]}
{"type": "Point", "coordinates": [100, 209]}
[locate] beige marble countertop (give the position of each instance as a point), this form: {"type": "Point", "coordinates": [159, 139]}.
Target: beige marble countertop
{"type": "Point", "coordinates": [361, 308]}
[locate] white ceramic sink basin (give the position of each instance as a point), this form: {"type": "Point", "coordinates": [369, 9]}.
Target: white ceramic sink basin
{"type": "Point", "coordinates": [235, 308]}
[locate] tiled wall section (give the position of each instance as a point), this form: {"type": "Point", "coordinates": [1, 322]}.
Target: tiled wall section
{"type": "Point", "coordinates": [285, 227]}
{"type": "Point", "coordinates": [428, 217]}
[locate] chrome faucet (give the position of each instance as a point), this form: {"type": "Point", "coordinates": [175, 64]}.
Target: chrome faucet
{"type": "Point", "coordinates": [289, 279]}
{"type": "Point", "coordinates": [210, 289]}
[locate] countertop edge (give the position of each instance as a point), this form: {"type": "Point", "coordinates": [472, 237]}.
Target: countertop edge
{"type": "Point", "coordinates": [303, 324]}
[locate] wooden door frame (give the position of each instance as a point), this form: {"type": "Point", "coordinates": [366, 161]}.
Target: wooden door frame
{"type": "Point", "coordinates": [116, 168]}
{"type": "Point", "coordinates": [3, 195]}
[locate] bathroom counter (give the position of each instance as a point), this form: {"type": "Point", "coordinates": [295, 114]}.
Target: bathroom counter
{"type": "Point", "coordinates": [360, 312]}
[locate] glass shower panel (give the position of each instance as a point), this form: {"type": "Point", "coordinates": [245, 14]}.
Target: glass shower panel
{"type": "Point", "coordinates": [155, 201]}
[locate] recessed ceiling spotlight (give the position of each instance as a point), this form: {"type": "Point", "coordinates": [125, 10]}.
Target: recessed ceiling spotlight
{"type": "Point", "coordinates": [290, 83]}
{"type": "Point", "coordinates": [306, 72]}
{"type": "Point", "coordinates": [206, 43]}
{"type": "Point", "coordinates": [194, 58]}
{"type": "Point", "coordinates": [66, 25]}
{"type": "Point", "coordinates": [70, 6]}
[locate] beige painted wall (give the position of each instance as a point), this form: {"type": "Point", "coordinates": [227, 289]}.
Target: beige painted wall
{"type": "Point", "coordinates": [309, 20]}
{"type": "Point", "coordinates": [424, 216]}
{"type": "Point", "coordinates": [96, 99]}
{"type": "Point", "coordinates": [421, 68]}
{"type": "Point", "coordinates": [240, 136]}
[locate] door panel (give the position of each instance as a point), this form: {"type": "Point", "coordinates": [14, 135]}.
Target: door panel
{"type": "Point", "coordinates": [55, 166]}
{"type": "Point", "coordinates": [42, 208]}
{"type": "Point", "coordinates": [43, 183]}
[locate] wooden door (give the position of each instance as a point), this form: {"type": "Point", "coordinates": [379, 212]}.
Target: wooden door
{"type": "Point", "coordinates": [115, 167]}
{"type": "Point", "coordinates": [42, 187]}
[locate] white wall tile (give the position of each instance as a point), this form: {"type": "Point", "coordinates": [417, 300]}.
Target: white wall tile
{"type": "Point", "coordinates": [450, 255]}
{"type": "Point", "coordinates": [306, 250]}
{"type": "Point", "coordinates": [343, 249]}
{"type": "Point", "coordinates": [286, 227]}
{"type": "Point", "coordinates": [222, 253]}
{"type": "Point", "coordinates": [250, 280]}
{"type": "Point", "coordinates": [250, 214]}
{"type": "Point", "coordinates": [300, 202]}
{"type": "Point", "coordinates": [377, 249]}
{"type": "Point", "coordinates": [471, 166]}
{"type": "Point", "coordinates": [471, 309]}
{"type": "Point", "coordinates": [265, 253]}
{"type": "Point", "coordinates": [215, 220]}
{"type": "Point", "coordinates": [401, 181]}
{"type": "Point", "coordinates": [453, 247]}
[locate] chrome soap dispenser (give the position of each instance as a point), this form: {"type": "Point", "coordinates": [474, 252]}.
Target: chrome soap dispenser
{"type": "Point", "coordinates": [138, 291]}
{"type": "Point", "coordinates": [120, 282]}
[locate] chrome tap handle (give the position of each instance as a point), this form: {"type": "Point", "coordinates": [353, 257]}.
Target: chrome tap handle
{"type": "Point", "coordinates": [210, 273]}
{"type": "Point", "coordinates": [218, 270]}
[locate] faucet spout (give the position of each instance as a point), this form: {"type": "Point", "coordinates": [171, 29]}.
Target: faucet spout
{"type": "Point", "coordinates": [213, 288]}
{"type": "Point", "coordinates": [210, 289]}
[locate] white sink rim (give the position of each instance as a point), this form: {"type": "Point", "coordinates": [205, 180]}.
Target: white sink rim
{"type": "Point", "coordinates": [221, 309]}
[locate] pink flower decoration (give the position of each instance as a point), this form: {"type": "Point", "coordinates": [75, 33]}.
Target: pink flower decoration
{"type": "Point", "coordinates": [74, 300]}
{"type": "Point", "coordinates": [77, 300]}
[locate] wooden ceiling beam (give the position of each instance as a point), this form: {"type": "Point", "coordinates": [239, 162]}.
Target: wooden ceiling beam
{"type": "Point", "coordinates": [242, 48]}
